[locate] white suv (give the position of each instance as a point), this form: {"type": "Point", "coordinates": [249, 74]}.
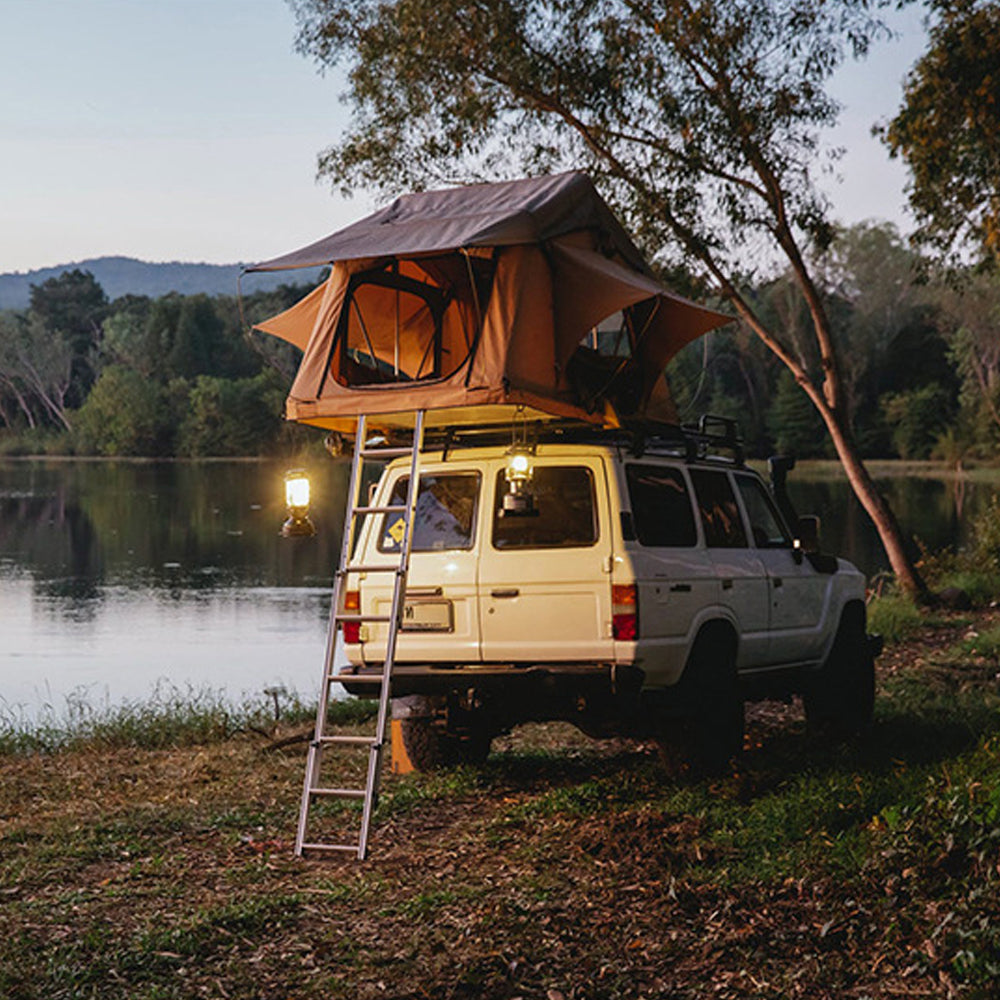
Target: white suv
{"type": "Point", "coordinates": [632, 585]}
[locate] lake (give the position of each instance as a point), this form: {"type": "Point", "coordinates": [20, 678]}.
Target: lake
{"type": "Point", "coordinates": [116, 576]}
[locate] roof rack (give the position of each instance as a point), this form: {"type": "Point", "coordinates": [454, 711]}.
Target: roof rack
{"type": "Point", "coordinates": [710, 438]}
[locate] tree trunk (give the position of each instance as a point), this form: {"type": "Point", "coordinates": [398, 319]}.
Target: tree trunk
{"type": "Point", "coordinates": [875, 505]}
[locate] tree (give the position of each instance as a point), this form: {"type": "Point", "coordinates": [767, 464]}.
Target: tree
{"type": "Point", "coordinates": [700, 119]}
{"type": "Point", "coordinates": [918, 418]}
{"type": "Point", "coordinates": [124, 414]}
{"type": "Point", "coordinates": [948, 130]}
{"type": "Point", "coordinates": [970, 315]}
{"type": "Point", "coordinates": [884, 313]}
{"type": "Point", "coordinates": [795, 424]}
{"type": "Point", "coordinates": [36, 369]}
{"type": "Point", "coordinates": [124, 338]}
{"type": "Point", "coordinates": [71, 308]}
{"type": "Point", "coordinates": [231, 416]}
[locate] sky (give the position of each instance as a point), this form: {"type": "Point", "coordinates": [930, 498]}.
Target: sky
{"type": "Point", "coordinates": [189, 130]}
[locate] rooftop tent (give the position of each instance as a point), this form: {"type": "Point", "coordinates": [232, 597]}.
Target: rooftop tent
{"type": "Point", "coordinates": [475, 301]}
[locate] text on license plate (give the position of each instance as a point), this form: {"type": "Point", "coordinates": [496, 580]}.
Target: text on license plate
{"type": "Point", "coordinates": [427, 616]}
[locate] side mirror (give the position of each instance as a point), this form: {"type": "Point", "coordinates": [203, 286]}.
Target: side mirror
{"type": "Point", "coordinates": [807, 533]}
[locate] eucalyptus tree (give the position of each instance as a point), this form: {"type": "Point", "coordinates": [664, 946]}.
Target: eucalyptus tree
{"type": "Point", "coordinates": [948, 130]}
{"type": "Point", "coordinates": [701, 120]}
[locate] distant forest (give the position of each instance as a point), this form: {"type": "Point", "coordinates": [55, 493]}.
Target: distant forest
{"type": "Point", "coordinates": [120, 276]}
{"type": "Point", "coordinates": [85, 373]}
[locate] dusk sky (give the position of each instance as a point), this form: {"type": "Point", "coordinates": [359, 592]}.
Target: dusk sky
{"type": "Point", "coordinates": [189, 129]}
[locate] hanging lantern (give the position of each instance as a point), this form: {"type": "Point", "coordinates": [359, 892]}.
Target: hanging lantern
{"type": "Point", "coordinates": [298, 524]}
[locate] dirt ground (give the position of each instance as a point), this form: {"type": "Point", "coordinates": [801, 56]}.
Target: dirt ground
{"type": "Point", "coordinates": [562, 869]}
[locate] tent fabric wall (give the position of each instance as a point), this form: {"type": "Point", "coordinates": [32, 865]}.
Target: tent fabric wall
{"type": "Point", "coordinates": [513, 312]}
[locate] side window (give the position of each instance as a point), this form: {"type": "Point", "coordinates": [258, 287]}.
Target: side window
{"type": "Point", "coordinates": [766, 526]}
{"type": "Point", "coordinates": [720, 516]}
{"type": "Point", "coordinates": [661, 506]}
{"type": "Point", "coordinates": [445, 515]}
{"type": "Point", "coordinates": [565, 511]}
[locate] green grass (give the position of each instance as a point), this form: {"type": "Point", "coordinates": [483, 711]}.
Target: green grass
{"type": "Point", "coordinates": [170, 717]}
{"type": "Point", "coordinates": [139, 862]}
{"type": "Point", "coordinates": [895, 617]}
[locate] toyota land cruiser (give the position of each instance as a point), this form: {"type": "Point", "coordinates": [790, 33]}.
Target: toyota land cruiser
{"type": "Point", "coordinates": [636, 585]}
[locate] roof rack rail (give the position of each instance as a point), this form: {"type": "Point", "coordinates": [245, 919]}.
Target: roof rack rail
{"type": "Point", "coordinates": [710, 437]}
{"type": "Point", "coordinates": [718, 433]}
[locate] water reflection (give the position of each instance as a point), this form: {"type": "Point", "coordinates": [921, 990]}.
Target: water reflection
{"type": "Point", "coordinates": [116, 574]}
{"type": "Point", "coordinates": [936, 511]}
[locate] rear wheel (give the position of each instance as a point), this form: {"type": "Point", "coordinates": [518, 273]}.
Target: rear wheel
{"type": "Point", "coordinates": [423, 744]}
{"type": "Point", "coordinates": [711, 732]}
{"type": "Point", "coordinates": [840, 698]}
{"type": "Point", "coordinates": [431, 747]}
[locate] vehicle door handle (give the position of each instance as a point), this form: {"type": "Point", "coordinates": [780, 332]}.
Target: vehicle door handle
{"type": "Point", "coordinates": [505, 592]}
{"type": "Point", "coordinates": [727, 584]}
{"type": "Point", "coordinates": [778, 582]}
{"type": "Point", "coordinates": [681, 588]}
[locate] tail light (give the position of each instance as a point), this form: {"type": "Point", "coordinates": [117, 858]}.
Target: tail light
{"type": "Point", "coordinates": [625, 612]}
{"type": "Point", "coordinates": [352, 605]}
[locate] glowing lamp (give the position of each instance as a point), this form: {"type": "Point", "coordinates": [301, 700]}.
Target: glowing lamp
{"type": "Point", "coordinates": [298, 524]}
{"type": "Point", "coordinates": [519, 468]}
{"type": "Point", "coordinates": [518, 502]}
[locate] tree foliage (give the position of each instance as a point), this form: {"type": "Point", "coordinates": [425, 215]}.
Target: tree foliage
{"type": "Point", "coordinates": [948, 130]}
{"type": "Point", "coordinates": [702, 120]}
{"type": "Point", "coordinates": [71, 308]}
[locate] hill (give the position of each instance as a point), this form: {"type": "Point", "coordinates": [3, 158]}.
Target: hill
{"type": "Point", "coordinates": [125, 275]}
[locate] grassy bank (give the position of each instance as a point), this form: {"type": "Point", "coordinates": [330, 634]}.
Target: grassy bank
{"type": "Point", "coordinates": [138, 866]}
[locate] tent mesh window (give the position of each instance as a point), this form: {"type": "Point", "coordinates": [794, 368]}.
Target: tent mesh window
{"type": "Point", "coordinates": [410, 321]}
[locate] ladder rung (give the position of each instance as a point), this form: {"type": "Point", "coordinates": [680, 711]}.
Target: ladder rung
{"type": "Point", "coordinates": [354, 741]}
{"type": "Point", "coordinates": [370, 569]}
{"type": "Point", "coordinates": [356, 678]}
{"type": "Point", "coordinates": [364, 618]}
{"type": "Point", "coordinates": [385, 452]}
{"type": "Point", "coordinates": [339, 793]}
{"type": "Point", "coordinates": [331, 848]}
{"type": "Point", "coordinates": [396, 508]}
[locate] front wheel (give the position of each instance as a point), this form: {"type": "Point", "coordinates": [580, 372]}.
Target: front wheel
{"type": "Point", "coordinates": [839, 700]}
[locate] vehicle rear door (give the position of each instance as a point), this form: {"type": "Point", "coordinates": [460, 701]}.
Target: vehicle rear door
{"type": "Point", "coordinates": [441, 612]}
{"type": "Point", "coordinates": [545, 578]}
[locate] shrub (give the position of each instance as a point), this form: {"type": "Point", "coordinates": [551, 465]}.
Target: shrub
{"type": "Point", "coordinates": [917, 419]}
{"type": "Point", "coordinates": [124, 414]}
{"type": "Point", "coordinates": [231, 416]}
{"type": "Point", "coordinates": [893, 616]}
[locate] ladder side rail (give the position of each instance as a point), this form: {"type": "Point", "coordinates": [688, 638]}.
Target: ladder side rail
{"type": "Point", "coordinates": [311, 779]}
{"type": "Point", "coordinates": [396, 615]}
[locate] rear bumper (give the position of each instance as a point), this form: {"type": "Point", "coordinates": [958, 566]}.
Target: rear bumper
{"type": "Point", "coordinates": [550, 678]}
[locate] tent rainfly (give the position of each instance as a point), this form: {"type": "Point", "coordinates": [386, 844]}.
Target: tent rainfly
{"type": "Point", "coordinates": [478, 302]}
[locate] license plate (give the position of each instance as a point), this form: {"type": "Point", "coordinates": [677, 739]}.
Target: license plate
{"type": "Point", "coordinates": [427, 616]}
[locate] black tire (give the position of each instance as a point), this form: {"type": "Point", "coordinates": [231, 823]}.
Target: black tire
{"type": "Point", "coordinates": [431, 748]}
{"type": "Point", "coordinates": [711, 734]}
{"type": "Point", "coordinates": [840, 698]}
{"type": "Point", "coordinates": [423, 743]}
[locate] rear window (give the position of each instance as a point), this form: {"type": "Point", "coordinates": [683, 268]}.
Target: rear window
{"type": "Point", "coordinates": [661, 506]}
{"type": "Point", "coordinates": [445, 516]}
{"type": "Point", "coordinates": [720, 516]}
{"type": "Point", "coordinates": [564, 511]}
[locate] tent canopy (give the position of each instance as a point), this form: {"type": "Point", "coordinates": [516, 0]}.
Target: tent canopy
{"type": "Point", "coordinates": [477, 300]}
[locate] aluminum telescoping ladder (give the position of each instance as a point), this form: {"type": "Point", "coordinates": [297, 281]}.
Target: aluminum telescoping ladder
{"type": "Point", "coordinates": [313, 788]}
